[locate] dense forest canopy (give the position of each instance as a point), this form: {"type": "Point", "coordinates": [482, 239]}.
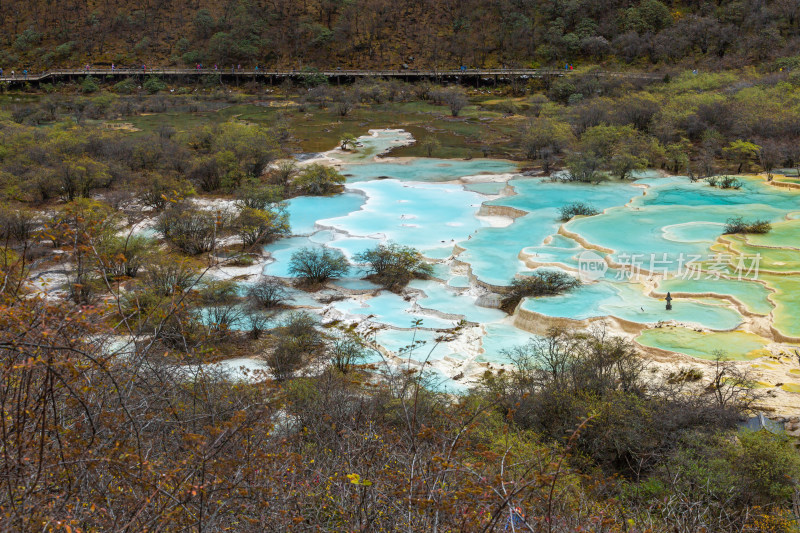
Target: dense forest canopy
{"type": "Point", "coordinates": [383, 33]}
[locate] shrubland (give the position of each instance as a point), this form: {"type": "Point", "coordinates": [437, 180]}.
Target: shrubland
{"type": "Point", "coordinates": [740, 225]}
{"type": "Point", "coordinates": [109, 435]}
{"type": "Point", "coordinates": [589, 127]}
{"type": "Point", "coordinates": [542, 282]}
{"type": "Point", "coordinates": [393, 266]}
{"type": "Point", "coordinates": [115, 420]}
{"type": "Point", "coordinates": [314, 266]}
{"type": "Point", "coordinates": [567, 212]}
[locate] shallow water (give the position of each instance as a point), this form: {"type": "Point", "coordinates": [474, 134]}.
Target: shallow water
{"type": "Point", "coordinates": [627, 301]}
{"type": "Point", "coordinates": [304, 211]}
{"type": "Point", "coordinates": [493, 252]}
{"type": "Point", "coordinates": [447, 300]}
{"type": "Point", "coordinates": [753, 295]}
{"type": "Point", "coordinates": [680, 219]}
{"type": "Point", "coordinates": [786, 316]}
{"type": "Point", "coordinates": [559, 250]}
{"type": "Point", "coordinates": [663, 221]}
{"type": "Point", "coordinates": [281, 253]}
{"type": "Point", "coordinates": [486, 188]}
{"type": "Point", "coordinates": [500, 337]}
{"type": "Point", "coordinates": [737, 345]}
{"type": "Point", "coordinates": [356, 284]}
{"type": "Point", "coordinates": [390, 309]}
{"type": "Point", "coordinates": [426, 170]}
{"type": "Point", "coordinates": [378, 142]}
{"type": "Point", "coordinates": [785, 234]}
{"type": "Point", "coordinates": [420, 345]}
{"type": "Point", "coordinates": [424, 216]}
{"type": "Point", "coordinates": [459, 281]}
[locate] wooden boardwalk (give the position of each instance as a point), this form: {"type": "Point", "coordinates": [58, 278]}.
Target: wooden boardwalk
{"type": "Point", "coordinates": [488, 75]}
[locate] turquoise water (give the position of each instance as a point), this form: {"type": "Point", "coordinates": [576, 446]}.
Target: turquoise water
{"type": "Point", "coordinates": [459, 281]}
{"type": "Point", "coordinates": [356, 284]}
{"type": "Point", "coordinates": [407, 213]}
{"type": "Point", "coordinates": [421, 346]}
{"type": "Point", "coordinates": [301, 298]}
{"type": "Point", "coordinates": [559, 250]}
{"type": "Point", "coordinates": [351, 246]}
{"type": "Point", "coordinates": [640, 234]}
{"type": "Point", "coordinates": [546, 197]}
{"type": "Point", "coordinates": [500, 337]}
{"type": "Point", "coordinates": [677, 190]}
{"type": "Point", "coordinates": [304, 211]}
{"type": "Point", "coordinates": [390, 309]}
{"type": "Point", "coordinates": [753, 295]}
{"type": "Point", "coordinates": [446, 300]}
{"type": "Point", "coordinates": [736, 345]}
{"type": "Point", "coordinates": [281, 253]}
{"type": "Point", "coordinates": [680, 218]}
{"type": "Point", "coordinates": [324, 236]}
{"type": "Point", "coordinates": [150, 233]}
{"type": "Point", "coordinates": [442, 271]}
{"type": "Point", "coordinates": [493, 252]}
{"type": "Point", "coordinates": [704, 232]}
{"type": "Point", "coordinates": [627, 301]}
{"type": "Point", "coordinates": [436, 380]}
{"type": "Point", "coordinates": [652, 218]}
{"type": "Point", "coordinates": [418, 345]}
{"type": "Point", "coordinates": [426, 170]}
{"type": "Point", "coordinates": [376, 143]}
{"type": "Point", "coordinates": [241, 320]}
{"type": "Point", "coordinates": [487, 187]}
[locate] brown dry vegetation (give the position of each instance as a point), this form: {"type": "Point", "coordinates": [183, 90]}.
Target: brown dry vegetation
{"type": "Point", "coordinates": [382, 33]}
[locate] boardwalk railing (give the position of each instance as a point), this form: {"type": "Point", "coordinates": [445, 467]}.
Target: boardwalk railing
{"type": "Point", "coordinates": [490, 74]}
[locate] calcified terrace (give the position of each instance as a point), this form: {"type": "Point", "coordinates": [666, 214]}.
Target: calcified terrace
{"type": "Point", "coordinates": [482, 223]}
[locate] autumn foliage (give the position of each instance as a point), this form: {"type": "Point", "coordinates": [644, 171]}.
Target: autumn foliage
{"type": "Point", "coordinates": [379, 33]}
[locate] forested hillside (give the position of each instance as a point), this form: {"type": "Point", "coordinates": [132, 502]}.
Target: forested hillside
{"type": "Point", "coordinates": [385, 33]}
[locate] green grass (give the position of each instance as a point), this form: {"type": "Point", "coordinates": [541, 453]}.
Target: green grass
{"type": "Point", "coordinates": [150, 123]}
{"type": "Point", "coordinates": [317, 129]}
